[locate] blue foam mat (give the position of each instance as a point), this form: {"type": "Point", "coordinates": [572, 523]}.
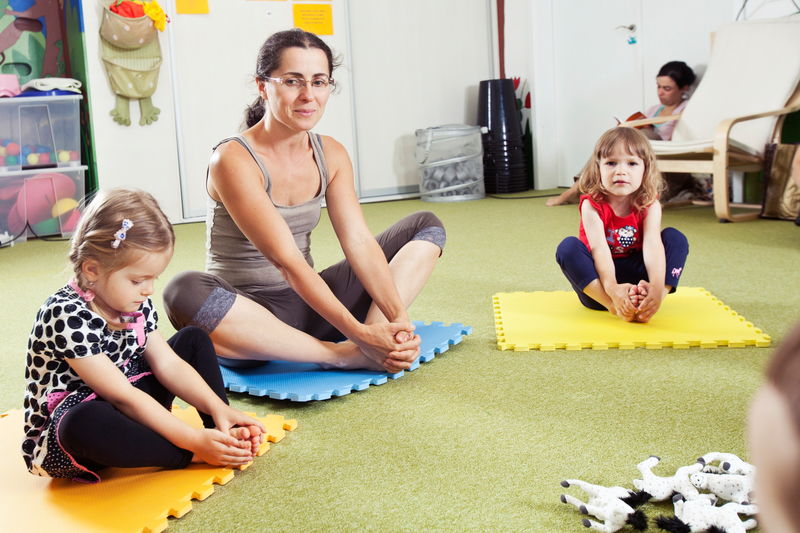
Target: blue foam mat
{"type": "Point", "coordinates": [302, 382]}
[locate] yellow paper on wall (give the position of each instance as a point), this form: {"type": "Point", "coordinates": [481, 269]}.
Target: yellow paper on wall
{"type": "Point", "coordinates": [316, 18]}
{"type": "Point", "coordinates": [191, 7]}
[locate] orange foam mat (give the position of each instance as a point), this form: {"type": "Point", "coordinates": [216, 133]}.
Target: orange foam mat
{"type": "Point", "coordinates": [556, 320]}
{"type": "Point", "coordinates": [127, 500]}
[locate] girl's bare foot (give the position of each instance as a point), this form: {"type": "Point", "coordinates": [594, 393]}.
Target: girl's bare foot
{"type": "Point", "coordinates": [247, 436]}
{"type": "Point", "coordinates": [240, 433]}
{"type": "Point", "coordinates": [636, 294]}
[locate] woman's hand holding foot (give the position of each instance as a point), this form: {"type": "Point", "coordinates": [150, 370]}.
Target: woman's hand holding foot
{"type": "Point", "coordinates": [381, 343]}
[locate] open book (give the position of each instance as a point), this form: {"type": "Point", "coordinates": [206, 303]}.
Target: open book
{"type": "Point", "coordinates": [636, 116]}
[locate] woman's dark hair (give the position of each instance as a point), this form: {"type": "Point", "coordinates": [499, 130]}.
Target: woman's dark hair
{"type": "Point", "coordinates": [680, 72]}
{"type": "Point", "coordinates": [269, 57]}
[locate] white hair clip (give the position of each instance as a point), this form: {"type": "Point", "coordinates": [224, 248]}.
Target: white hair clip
{"type": "Point", "coordinates": [122, 233]}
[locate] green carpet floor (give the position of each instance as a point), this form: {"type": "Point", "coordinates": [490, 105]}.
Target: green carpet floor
{"type": "Point", "coordinates": [479, 439]}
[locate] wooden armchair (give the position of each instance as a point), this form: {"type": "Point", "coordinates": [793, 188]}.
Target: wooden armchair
{"type": "Point", "coordinates": [750, 85]}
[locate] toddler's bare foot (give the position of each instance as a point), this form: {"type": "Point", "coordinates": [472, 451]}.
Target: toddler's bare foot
{"type": "Point", "coordinates": [248, 436]}
{"type": "Point", "coordinates": [636, 294]}
{"type": "Point", "coordinates": [240, 433]}
{"type": "Point", "coordinates": [643, 289]}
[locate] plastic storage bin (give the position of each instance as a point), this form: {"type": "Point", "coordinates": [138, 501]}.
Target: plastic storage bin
{"type": "Point", "coordinates": [39, 132]}
{"type": "Point", "coordinates": [40, 202]}
{"type": "Point", "coordinates": [451, 163]}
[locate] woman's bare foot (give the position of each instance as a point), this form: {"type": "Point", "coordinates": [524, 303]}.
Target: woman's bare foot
{"type": "Point", "coordinates": [570, 196]}
{"type": "Point", "coordinates": [350, 357]}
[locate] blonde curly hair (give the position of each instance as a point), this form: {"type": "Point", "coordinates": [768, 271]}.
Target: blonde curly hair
{"type": "Point", "coordinates": [635, 143]}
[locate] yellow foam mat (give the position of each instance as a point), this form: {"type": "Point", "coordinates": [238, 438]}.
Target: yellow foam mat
{"type": "Point", "coordinates": [127, 500]}
{"type": "Point", "coordinates": [691, 317]}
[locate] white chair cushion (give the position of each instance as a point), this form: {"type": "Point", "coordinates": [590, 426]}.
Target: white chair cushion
{"type": "Point", "coordinates": [691, 147]}
{"type": "Point", "coordinates": [754, 67]}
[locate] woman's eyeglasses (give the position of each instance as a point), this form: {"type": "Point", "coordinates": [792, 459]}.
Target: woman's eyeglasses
{"type": "Point", "coordinates": [322, 83]}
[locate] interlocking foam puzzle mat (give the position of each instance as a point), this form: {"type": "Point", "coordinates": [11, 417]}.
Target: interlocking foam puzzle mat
{"type": "Point", "coordinates": [135, 500]}
{"type": "Point", "coordinates": [302, 382]}
{"type": "Point", "coordinates": [690, 317]}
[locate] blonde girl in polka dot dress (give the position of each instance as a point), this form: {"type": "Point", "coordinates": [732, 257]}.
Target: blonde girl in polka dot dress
{"type": "Point", "coordinates": [101, 378]}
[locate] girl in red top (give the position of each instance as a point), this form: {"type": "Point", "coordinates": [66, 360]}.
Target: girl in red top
{"type": "Point", "coordinates": [622, 261]}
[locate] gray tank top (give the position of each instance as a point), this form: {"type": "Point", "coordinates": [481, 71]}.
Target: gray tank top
{"type": "Point", "coordinates": [231, 256]}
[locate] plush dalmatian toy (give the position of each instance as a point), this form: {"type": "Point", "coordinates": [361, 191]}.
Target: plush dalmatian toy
{"type": "Point", "coordinates": [729, 487]}
{"type": "Point", "coordinates": [728, 464]}
{"type": "Point", "coordinates": [663, 488]}
{"type": "Point", "coordinates": [613, 505]}
{"type": "Point", "coordinates": [699, 515]}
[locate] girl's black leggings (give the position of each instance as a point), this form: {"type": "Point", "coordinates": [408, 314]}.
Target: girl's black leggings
{"type": "Point", "coordinates": [98, 435]}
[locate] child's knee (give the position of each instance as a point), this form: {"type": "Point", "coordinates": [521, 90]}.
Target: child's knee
{"type": "Point", "coordinates": [569, 247]}
{"type": "Point", "coordinates": [674, 239]}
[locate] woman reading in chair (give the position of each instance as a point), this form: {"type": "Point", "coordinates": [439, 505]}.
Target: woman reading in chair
{"type": "Point", "coordinates": [673, 82]}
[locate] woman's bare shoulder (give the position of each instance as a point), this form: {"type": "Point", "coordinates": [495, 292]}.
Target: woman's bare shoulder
{"type": "Point", "coordinates": [334, 150]}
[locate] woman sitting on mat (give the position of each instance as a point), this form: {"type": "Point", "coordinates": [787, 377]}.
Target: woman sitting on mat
{"type": "Point", "coordinates": [101, 379]}
{"type": "Point", "coordinates": [673, 83]}
{"type": "Point", "coordinates": [622, 261]}
{"type": "Point", "coordinates": [261, 298]}
{"type": "Point", "coordinates": [774, 439]}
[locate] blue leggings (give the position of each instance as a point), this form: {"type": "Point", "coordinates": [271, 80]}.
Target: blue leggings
{"type": "Point", "coordinates": [577, 263]}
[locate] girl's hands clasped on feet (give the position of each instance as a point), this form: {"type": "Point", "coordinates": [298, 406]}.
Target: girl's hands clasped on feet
{"type": "Point", "coordinates": [647, 298]}
{"type": "Point", "coordinates": [240, 426]}
{"type": "Point", "coordinates": [218, 448]}
{"type": "Point", "coordinates": [622, 304]}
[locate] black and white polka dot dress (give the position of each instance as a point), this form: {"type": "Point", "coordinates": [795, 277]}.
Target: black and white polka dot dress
{"type": "Point", "coordinates": [67, 328]}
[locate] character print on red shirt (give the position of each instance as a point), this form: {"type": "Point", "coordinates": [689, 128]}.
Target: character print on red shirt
{"type": "Point", "coordinates": [621, 238]}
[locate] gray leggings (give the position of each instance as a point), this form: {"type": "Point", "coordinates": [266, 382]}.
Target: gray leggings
{"type": "Point", "coordinates": [202, 300]}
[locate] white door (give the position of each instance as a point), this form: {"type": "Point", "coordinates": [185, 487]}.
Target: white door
{"type": "Point", "coordinates": [598, 73]}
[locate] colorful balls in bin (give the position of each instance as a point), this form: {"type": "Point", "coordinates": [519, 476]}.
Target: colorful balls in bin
{"type": "Point", "coordinates": [63, 156]}
{"type": "Point", "coordinates": [63, 206]}
{"type": "Point", "coordinates": [12, 160]}
{"type": "Point", "coordinates": [12, 148]}
{"type": "Point", "coordinates": [36, 199]}
{"type": "Point", "coordinates": [48, 226]}
{"type": "Point", "coordinates": [32, 159]}
{"type": "Point", "coordinates": [68, 225]}
{"type": "Point", "coordinates": [74, 155]}
{"type": "Point", "coordinates": [44, 158]}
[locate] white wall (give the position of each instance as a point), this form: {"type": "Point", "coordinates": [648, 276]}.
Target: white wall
{"type": "Point", "coordinates": [415, 65]}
